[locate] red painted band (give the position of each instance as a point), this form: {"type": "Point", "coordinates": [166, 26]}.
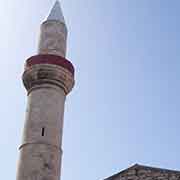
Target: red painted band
{"type": "Point", "coordinates": [50, 59]}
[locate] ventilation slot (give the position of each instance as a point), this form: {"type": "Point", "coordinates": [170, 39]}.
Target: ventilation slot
{"type": "Point", "coordinates": [43, 132]}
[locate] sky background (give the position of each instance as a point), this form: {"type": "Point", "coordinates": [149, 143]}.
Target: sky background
{"type": "Point", "coordinates": [124, 108]}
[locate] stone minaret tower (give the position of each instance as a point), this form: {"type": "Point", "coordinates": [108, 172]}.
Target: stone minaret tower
{"type": "Point", "coordinates": [48, 78]}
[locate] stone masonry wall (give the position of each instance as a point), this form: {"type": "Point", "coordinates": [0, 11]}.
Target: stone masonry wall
{"type": "Point", "coordinates": [146, 174]}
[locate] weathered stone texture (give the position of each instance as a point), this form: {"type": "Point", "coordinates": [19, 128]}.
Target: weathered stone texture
{"type": "Point", "coordinates": [50, 74]}
{"type": "Point", "coordinates": [39, 162]}
{"type": "Point", "coordinates": [47, 86]}
{"type": "Point", "coordinates": [45, 109]}
{"type": "Point", "coordinates": [139, 172]}
{"type": "Point", "coordinates": [53, 38]}
{"type": "Point", "coordinates": [41, 154]}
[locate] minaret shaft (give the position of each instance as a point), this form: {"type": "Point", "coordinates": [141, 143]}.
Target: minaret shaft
{"type": "Point", "coordinates": [53, 34]}
{"type": "Point", "coordinates": [41, 149]}
{"type": "Point", "coordinates": [48, 78]}
{"type": "Point", "coordinates": [53, 38]}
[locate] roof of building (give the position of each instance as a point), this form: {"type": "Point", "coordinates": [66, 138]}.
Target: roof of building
{"type": "Point", "coordinates": [139, 167]}
{"type": "Point", "coordinates": [56, 13]}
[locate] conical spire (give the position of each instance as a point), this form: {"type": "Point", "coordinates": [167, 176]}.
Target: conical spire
{"type": "Point", "coordinates": [56, 13]}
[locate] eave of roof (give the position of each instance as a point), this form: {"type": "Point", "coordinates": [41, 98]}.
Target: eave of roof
{"type": "Point", "coordinates": [138, 166]}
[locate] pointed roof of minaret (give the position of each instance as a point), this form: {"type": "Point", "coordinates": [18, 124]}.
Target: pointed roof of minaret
{"type": "Point", "coordinates": [56, 13]}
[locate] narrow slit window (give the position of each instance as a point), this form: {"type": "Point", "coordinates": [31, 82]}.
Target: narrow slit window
{"type": "Point", "coordinates": [43, 131]}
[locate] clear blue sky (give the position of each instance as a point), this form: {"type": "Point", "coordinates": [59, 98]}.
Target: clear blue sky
{"type": "Point", "coordinates": [125, 106]}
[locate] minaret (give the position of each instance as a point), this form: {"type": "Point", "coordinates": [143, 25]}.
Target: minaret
{"type": "Point", "coordinates": [48, 78]}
